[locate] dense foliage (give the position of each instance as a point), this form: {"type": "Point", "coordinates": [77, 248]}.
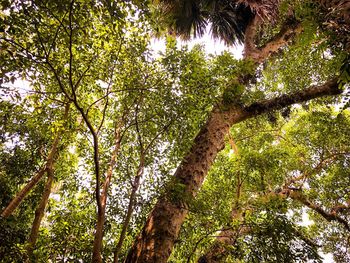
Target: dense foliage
{"type": "Point", "coordinates": [84, 102]}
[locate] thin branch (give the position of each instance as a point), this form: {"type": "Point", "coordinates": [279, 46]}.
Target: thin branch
{"type": "Point", "coordinates": [70, 49]}
{"type": "Point", "coordinates": [165, 128]}
{"type": "Point", "coordinates": [58, 79]}
{"type": "Point", "coordinates": [56, 34]}
{"type": "Point", "coordinates": [137, 125]}
{"type": "Point", "coordinates": [55, 17]}
{"type": "Point", "coordinates": [322, 163]}
{"type": "Point", "coordinates": [76, 85]}
{"type": "Point", "coordinates": [107, 99]}
{"type": "Point", "coordinates": [23, 49]}
{"type": "Point", "coordinates": [40, 39]}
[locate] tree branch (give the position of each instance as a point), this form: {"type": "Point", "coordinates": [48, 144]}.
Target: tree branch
{"type": "Point", "coordinates": [289, 29]}
{"type": "Point", "coordinates": [329, 88]}
{"type": "Point", "coordinates": [297, 195]}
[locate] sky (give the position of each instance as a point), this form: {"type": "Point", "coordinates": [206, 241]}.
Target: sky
{"type": "Point", "coordinates": [211, 46]}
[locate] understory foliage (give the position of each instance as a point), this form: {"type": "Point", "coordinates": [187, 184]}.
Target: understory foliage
{"type": "Point", "coordinates": [83, 75]}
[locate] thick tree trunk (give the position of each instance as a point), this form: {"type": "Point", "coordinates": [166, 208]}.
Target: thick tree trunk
{"type": "Point", "coordinates": [39, 213]}
{"type": "Point", "coordinates": [156, 241]}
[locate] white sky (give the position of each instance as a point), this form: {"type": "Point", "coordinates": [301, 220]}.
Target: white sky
{"type": "Point", "coordinates": [211, 46]}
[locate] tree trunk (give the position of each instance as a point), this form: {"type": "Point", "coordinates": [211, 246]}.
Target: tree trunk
{"type": "Point", "coordinates": [23, 193]}
{"type": "Point", "coordinates": [34, 181]}
{"type": "Point", "coordinates": [135, 187]}
{"type": "Point", "coordinates": [39, 213]}
{"type": "Point", "coordinates": [156, 240]}
{"type": "Point", "coordinates": [97, 246]}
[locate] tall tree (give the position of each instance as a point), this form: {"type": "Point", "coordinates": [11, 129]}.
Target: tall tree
{"type": "Point", "coordinates": [134, 117]}
{"type": "Point", "coordinates": [156, 241]}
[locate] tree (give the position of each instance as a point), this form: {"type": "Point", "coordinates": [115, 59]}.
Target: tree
{"type": "Point", "coordinates": [132, 120]}
{"type": "Point", "coordinates": [161, 230]}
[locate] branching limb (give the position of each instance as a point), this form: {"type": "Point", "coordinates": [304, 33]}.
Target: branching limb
{"type": "Point", "coordinates": [289, 29]}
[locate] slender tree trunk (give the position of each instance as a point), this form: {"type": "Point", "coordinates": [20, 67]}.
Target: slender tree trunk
{"type": "Point", "coordinates": [34, 181]}
{"type": "Point", "coordinates": [156, 240]}
{"type": "Point", "coordinates": [135, 187]}
{"type": "Point", "coordinates": [23, 193]}
{"type": "Point", "coordinates": [97, 247]}
{"type": "Point", "coordinates": [39, 213]}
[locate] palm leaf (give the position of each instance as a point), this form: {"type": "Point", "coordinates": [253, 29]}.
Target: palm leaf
{"type": "Point", "coordinates": [229, 21]}
{"type": "Point", "coordinates": [228, 18]}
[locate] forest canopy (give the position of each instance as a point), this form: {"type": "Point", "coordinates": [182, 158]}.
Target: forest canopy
{"type": "Point", "coordinates": [112, 154]}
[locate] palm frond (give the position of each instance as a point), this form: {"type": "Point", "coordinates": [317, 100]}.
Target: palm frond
{"type": "Point", "coordinates": [229, 21]}
{"type": "Point", "coordinates": [187, 16]}
{"type": "Point", "coordinates": [190, 19]}
{"type": "Point", "coordinates": [228, 18]}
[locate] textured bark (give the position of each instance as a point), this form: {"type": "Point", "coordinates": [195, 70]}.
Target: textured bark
{"type": "Point", "coordinates": [98, 237]}
{"type": "Point", "coordinates": [34, 181]}
{"type": "Point", "coordinates": [259, 55]}
{"type": "Point", "coordinates": [39, 213]}
{"type": "Point", "coordinates": [156, 240]}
